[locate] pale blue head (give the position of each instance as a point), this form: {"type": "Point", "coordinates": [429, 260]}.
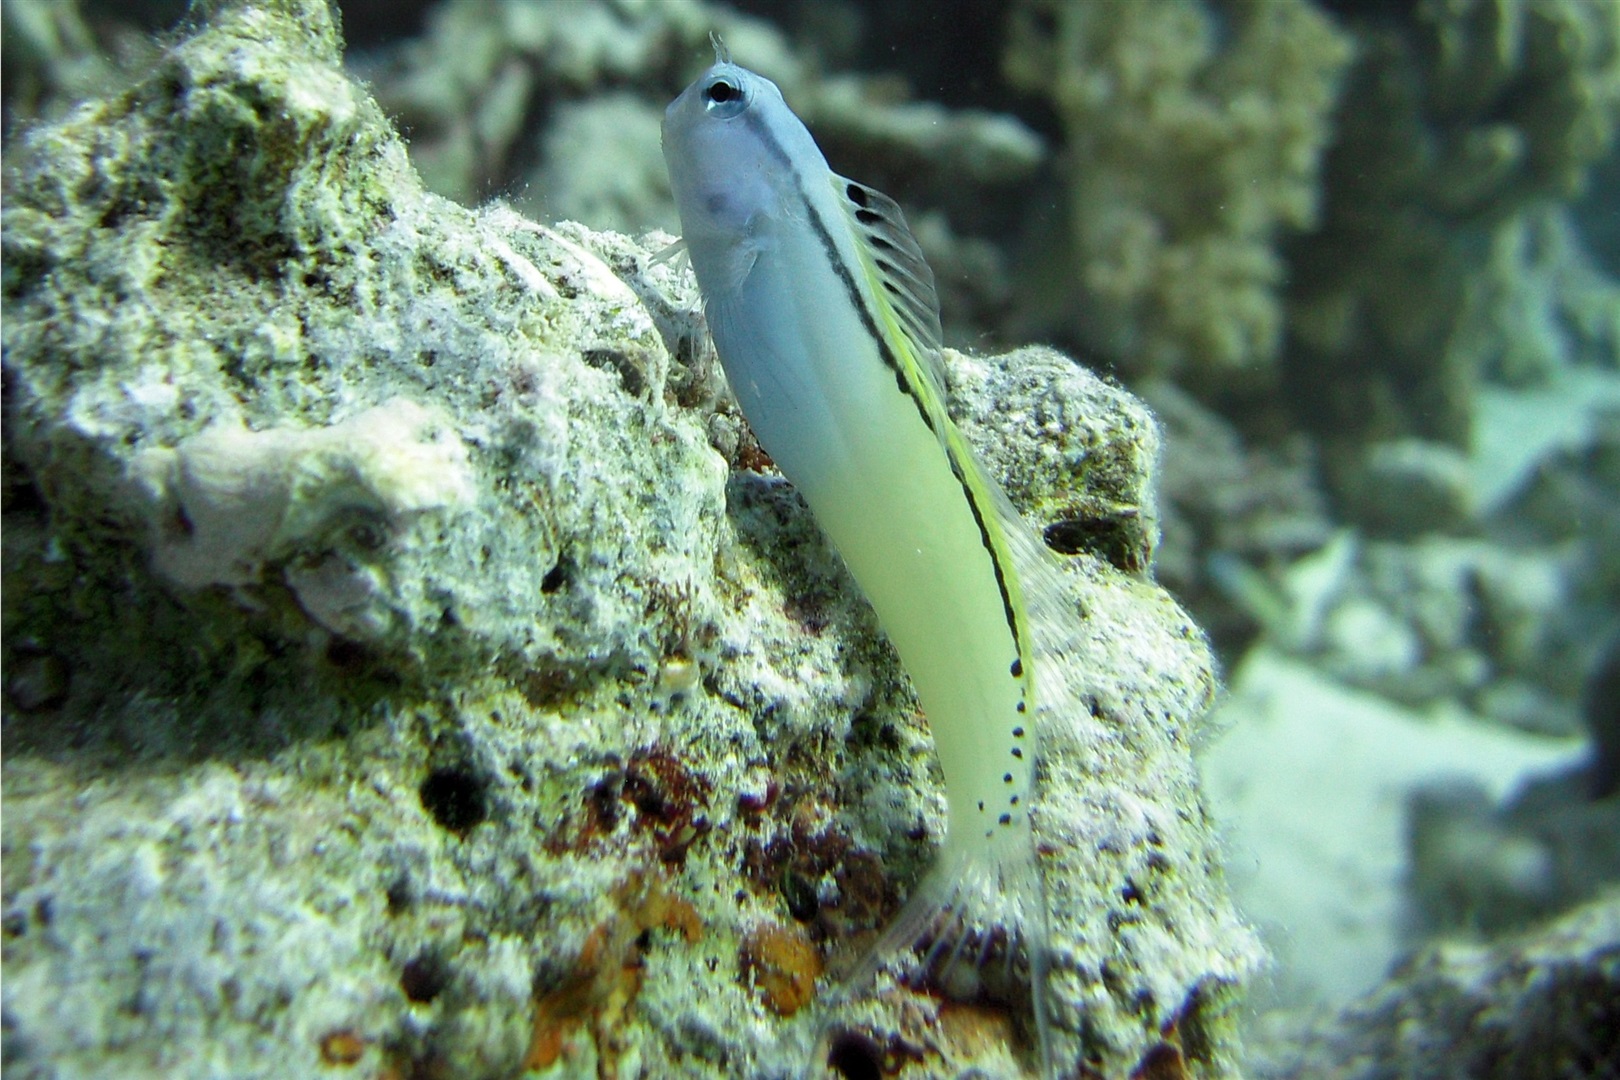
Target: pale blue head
{"type": "Point", "coordinates": [736, 155]}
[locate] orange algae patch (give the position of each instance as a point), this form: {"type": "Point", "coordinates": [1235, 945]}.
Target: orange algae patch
{"type": "Point", "coordinates": [783, 965]}
{"type": "Point", "coordinates": [605, 978]}
{"type": "Point", "coordinates": [972, 1031]}
{"type": "Point", "coordinates": [342, 1047]}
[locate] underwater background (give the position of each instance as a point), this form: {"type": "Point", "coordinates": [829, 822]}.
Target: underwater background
{"type": "Point", "coordinates": [273, 801]}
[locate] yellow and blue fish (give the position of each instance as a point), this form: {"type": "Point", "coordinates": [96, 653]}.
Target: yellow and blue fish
{"type": "Point", "coordinates": [825, 318]}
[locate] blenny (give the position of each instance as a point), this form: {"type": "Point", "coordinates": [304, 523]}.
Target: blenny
{"type": "Point", "coordinates": [825, 317]}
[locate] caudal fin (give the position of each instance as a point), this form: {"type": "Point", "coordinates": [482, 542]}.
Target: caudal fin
{"type": "Point", "coordinates": [974, 930]}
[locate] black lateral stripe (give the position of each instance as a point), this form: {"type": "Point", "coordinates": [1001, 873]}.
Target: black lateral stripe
{"type": "Point", "coordinates": [752, 118]}
{"type": "Point", "coordinates": [830, 249]}
{"type": "Point", "coordinates": [995, 563]}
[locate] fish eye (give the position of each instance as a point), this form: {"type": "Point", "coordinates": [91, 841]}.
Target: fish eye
{"type": "Point", "coordinates": [725, 97]}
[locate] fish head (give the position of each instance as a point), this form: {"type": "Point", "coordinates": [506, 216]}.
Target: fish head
{"type": "Point", "coordinates": [732, 148]}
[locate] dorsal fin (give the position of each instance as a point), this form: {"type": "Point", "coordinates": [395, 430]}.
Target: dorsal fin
{"type": "Point", "coordinates": [900, 275]}
{"type": "Point", "coordinates": [908, 312]}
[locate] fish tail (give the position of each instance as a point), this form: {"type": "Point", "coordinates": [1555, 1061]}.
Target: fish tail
{"type": "Point", "coordinates": [973, 930]}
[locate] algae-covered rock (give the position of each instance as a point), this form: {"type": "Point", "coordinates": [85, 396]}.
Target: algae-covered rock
{"type": "Point", "coordinates": [412, 663]}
